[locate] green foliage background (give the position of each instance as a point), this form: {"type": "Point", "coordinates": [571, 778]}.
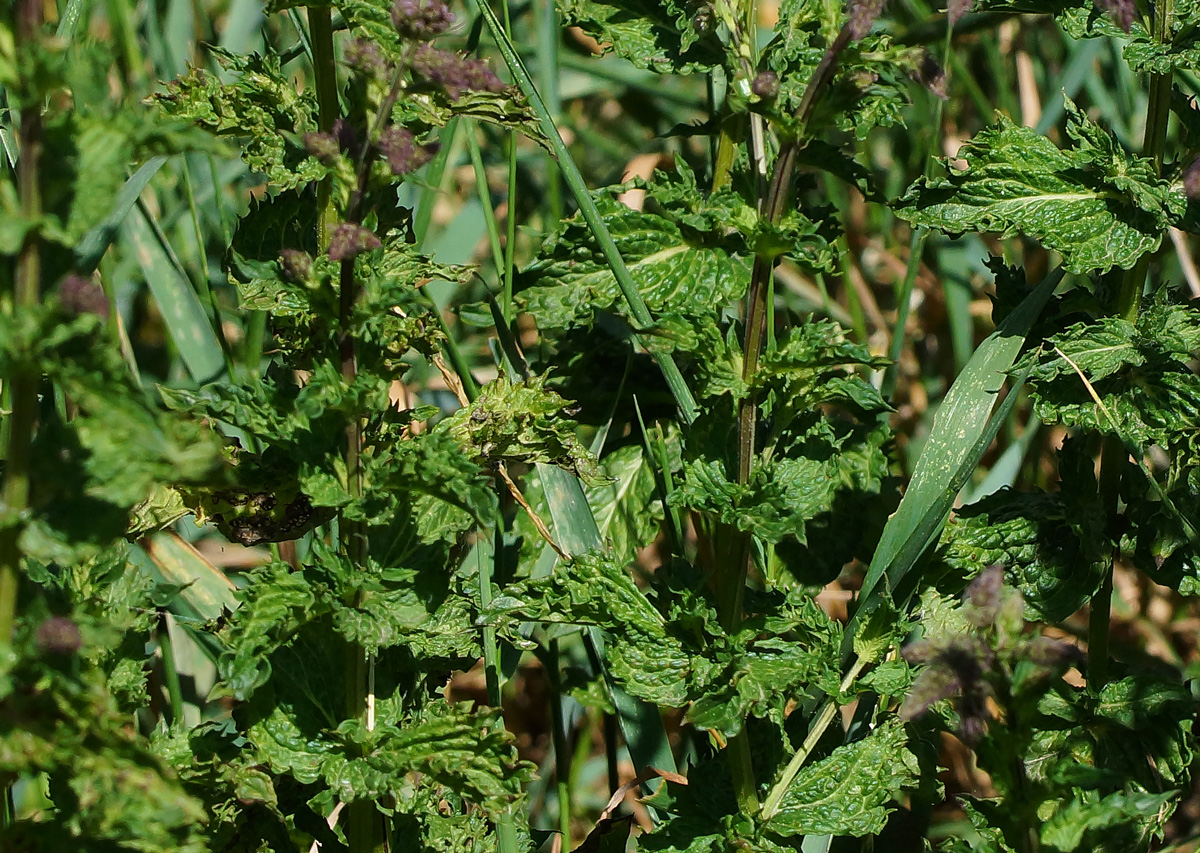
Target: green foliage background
{"type": "Point", "coordinates": [414, 431]}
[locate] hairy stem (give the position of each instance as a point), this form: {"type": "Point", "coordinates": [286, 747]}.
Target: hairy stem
{"type": "Point", "coordinates": [22, 384]}
{"type": "Point", "coordinates": [320, 25]}
{"type": "Point", "coordinates": [1129, 298]}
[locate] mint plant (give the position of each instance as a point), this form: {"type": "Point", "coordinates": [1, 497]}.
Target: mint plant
{"type": "Point", "coordinates": [620, 448]}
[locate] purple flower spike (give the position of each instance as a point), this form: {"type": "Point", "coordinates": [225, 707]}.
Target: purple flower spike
{"type": "Point", "coordinates": [1191, 180]}
{"type": "Point", "coordinates": [403, 154]}
{"type": "Point", "coordinates": [1122, 11]}
{"type": "Point", "coordinates": [456, 74]}
{"type": "Point", "coordinates": [296, 266]}
{"type": "Point", "coordinates": [349, 240]}
{"type": "Point", "coordinates": [862, 15]}
{"type": "Point", "coordinates": [956, 9]}
{"type": "Point", "coordinates": [421, 19]}
{"type": "Point", "coordinates": [82, 295]}
{"type": "Point", "coordinates": [323, 146]}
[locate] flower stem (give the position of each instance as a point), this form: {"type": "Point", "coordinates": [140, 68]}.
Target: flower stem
{"type": "Point", "coordinates": [22, 384]}
{"type": "Point", "coordinates": [1114, 454]}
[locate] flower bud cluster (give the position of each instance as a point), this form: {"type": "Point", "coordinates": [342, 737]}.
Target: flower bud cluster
{"type": "Point", "coordinates": [1122, 11]}
{"type": "Point", "coordinates": [421, 20]}
{"type": "Point", "coordinates": [862, 15]}
{"type": "Point", "coordinates": [82, 295]}
{"type": "Point", "coordinates": [399, 147]}
{"type": "Point", "coordinates": [454, 73]}
{"type": "Point", "coordinates": [349, 240]}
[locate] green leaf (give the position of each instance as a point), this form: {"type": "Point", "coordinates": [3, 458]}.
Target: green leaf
{"type": "Point", "coordinates": [1120, 822]}
{"type": "Point", "coordinates": [1143, 51]}
{"type": "Point", "coordinates": [464, 751]}
{"type": "Point", "coordinates": [1050, 549]}
{"type": "Point", "coordinates": [571, 280]}
{"type": "Point", "coordinates": [1094, 203]}
{"type": "Point", "coordinates": [275, 603]}
{"type": "Point", "coordinates": [261, 106]}
{"type": "Point", "coordinates": [664, 36]}
{"type": "Point", "coordinates": [521, 422]}
{"type": "Point", "coordinates": [1141, 374]}
{"type": "Point", "coordinates": [625, 501]}
{"type": "Point", "coordinates": [849, 792]}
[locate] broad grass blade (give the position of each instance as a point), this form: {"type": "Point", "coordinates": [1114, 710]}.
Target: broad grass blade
{"type": "Point", "coordinates": [95, 243]}
{"type": "Point", "coordinates": [206, 590]}
{"type": "Point", "coordinates": [186, 320]}
{"type": "Point", "coordinates": [959, 438]}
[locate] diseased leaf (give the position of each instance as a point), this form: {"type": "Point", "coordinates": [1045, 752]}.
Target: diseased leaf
{"type": "Point", "coordinates": [1093, 202]}
{"type": "Point", "coordinates": [521, 422]}
{"type": "Point", "coordinates": [849, 792]}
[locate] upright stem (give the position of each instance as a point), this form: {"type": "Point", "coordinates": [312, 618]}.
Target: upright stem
{"type": "Point", "coordinates": [320, 25]}
{"type": "Point", "coordinates": [23, 383]}
{"type": "Point", "coordinates": [1114, 455]}
{"type": "Point", "coordinates": [562, 753]}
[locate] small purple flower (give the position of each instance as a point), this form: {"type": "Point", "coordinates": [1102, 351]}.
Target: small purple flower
{"type": "Point", "coordinates": [1191, 180]}
{"type": "Point", "coordinates": [1122, 11]}
{"type": "Point", "coordinates": [296, 266]}
{"type": "Point", "coordinates": [932, 76]}
{"type": "Point", "coordinates": [766, 84]}
{"type": "Point", "coordinates": [956, 9]}
{"type": "Point", "coordinates": [324, 146]}
{"type": "Point", "coordinates": [364, 56]}
{"type": "Point", "coordinates": [80, 295]}
{"type": "Point", "coordinates": [984, 597]}
{"type": "Point", "coordinates": [58, 635]}
{"type": "Point", "coordinates": [399, 147]}
{"type": "Point", "coordinates": [421, 19]}
{"type": "Point", "coordinates": [454, 73]}
{"type": "Point", "coordinates": [349, 240]}
{"type": "Point", "coordinates": [862, 15]}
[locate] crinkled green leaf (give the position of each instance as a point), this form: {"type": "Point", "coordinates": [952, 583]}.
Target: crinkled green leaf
{"type": "Point", "coordinates": [570, 281]}
{"type": "Point", "coordinates": [1048, 548]}
{"type": "Point", "coordinates": [464, 751]}
{"type": "Point", "coordinates": [1093, 202]}
{"type": "Point", "coordinates": [665, 36]}
{"type": "Point", "coordinates": [521, 422]}
{"type": "Point", "coordinates": [1142, 50]}
{"type": "Point", "coordinates": [275, 603]}
{"type": "Point", "coordinates": [849, 792]}
{"type": "Point", "coordinates": [1140, 372]}
{"type": "Point", "coordinates": [1120, 822]}
{"type": "Point", "coordinates": [261, 107]}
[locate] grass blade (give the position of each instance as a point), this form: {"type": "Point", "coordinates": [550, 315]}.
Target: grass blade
{"type": "Point", "coordinates": [95, 243]}
{"type": "Point", "coordinates": [182, 312]}
{"type": "Point", "coordinates": [961, 434]}
{"type": "Point", "coordinates": [587, 207]}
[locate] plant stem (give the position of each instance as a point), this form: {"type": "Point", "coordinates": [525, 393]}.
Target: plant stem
{"type": "Point", "coordinates": [820, 724]}
{"type": "Point", "coordinates": [1114, 455]}
{"type": "Point", "coordinates": [170, 671]}
{"type": "Point", "coordinates": [562, 754]}
{"type": "Point", "coordinates": [24, 380]}
{"type": "Point", "coordinates": [320, 25]}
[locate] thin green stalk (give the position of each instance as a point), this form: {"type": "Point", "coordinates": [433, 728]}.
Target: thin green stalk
{"type": "Point", "coordinates": [485, 199]}
{"type": "Point", "coordinates": [549, 32]}
{"type": "Point", "coordinates": [916, 249]}
{"type": "Point", "coordinates": [166, 648]}
{"type": "Point", "coordinates": [735, 547]}
{"type": "Point", "coordinates": [510, 233]}
{"type": "Point", "coordinates": [24, 381]}
{"type": "Point", "coordinates": [587, 207]}
{"type": "Point", "coordinates": [562, 753]}
{"type": "Point", "coordinates": [320, 25]}
{"type": "Point", "coordinates": [820, 724]}
{"type": "Point", "coordinates": [1115, 454]}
